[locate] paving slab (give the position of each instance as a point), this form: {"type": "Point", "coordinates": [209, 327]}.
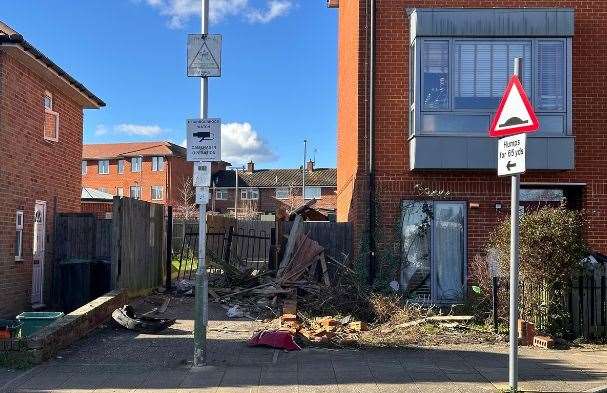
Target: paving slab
{"type": "Point", "coordinates": [117, 360]}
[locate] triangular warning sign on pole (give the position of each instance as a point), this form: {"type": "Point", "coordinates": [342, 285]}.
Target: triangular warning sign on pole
{"type": "Point", "coordinates": [514, 114]}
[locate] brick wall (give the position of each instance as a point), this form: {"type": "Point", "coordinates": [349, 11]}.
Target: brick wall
{"type": "Point", "coordinates": [99, 209]}
{"type": "Point", "coordinates": [395, 181]}
{"type": "Point", "coordinates": [32, 169]}
{"type": "Point", "coordinates": [170, 177]}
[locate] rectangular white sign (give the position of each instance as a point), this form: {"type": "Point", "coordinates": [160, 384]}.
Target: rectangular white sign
{"type": "Point", "coordinates": [204, 140]}
{"type": "Point", "coordinates": [204, 55]}
{"type": "Point", "coordinates": [511, 153]}
{"type": "Point", "coordinates": [202, 195]}
{"type": "Point", "coordinates": [202, 174]}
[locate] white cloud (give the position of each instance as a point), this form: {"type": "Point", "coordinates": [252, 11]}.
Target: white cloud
{"type": "Point", "coordinates": [138, 129]}
{"type": "Point", "coordinates": [180, 11]}
{"type": "Point", "coordinates": [130, 129]}
{"type": "Point", "coordinates": [184, 143]}
{"type": "Point", "coordinates": [275, 9]}
{"type": "Point", "coordinates": [101, 130]}
{"type": "Point", "coordinates": [240, 143]}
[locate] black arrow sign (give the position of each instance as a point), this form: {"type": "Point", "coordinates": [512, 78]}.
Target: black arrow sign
{"type": "Point", "coordinates": [510, 165]}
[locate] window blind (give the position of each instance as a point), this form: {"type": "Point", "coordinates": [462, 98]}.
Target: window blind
{"type": "Point", "coordinates": [551, 76]}
{"type": "Point", "coordinates": [482, 70]}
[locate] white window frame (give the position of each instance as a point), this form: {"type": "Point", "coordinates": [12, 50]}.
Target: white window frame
{"type": "Point", "coordinates": [120, 169]}
{"type": "Point", "coordinates": [222, 194]}
{"type": "Point", "coordinates": [138, 192]}
{"type": "Point", "coordinates": [157, 163]}
{"type": "Point", "coordinates": [161, 193]}
{"type": "Point", "coordinates": [120, 191]}
{"type": "Point", "coordinates": [103, 189]}
{"type": "Point", "coordinates": [99, 167]}
{"type": "Point", "coordinates": [283, 189]}
{"type": "Point", "coordinates": [50, 111]}
{"type": "Point", "coordinates": [85, 168]}
{"type": "Point", "coordinates": [139, 160]}
{"type": "Point", "coordinates": [19, 235]}
{"type": "Point", "coordinates": [308, 188]}
{"type": "Point", "coordinates": [249, 194]}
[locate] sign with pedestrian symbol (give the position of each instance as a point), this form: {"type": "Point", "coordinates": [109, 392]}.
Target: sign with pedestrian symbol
{"type": "Point", "coordinates": [511, 155]}
{"type": "Point", "coordinates": [204, 55]}
{"type": "Point", "coordinates": [514, 114]}
{"type": "Point", "coordinates": [204, 140]}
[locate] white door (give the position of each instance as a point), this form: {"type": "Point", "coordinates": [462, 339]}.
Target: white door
{"type": "Point", "coordinates": [38, 251]}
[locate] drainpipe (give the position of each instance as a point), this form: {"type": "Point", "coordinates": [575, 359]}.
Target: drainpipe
{"type": "Point", "coordinates": [372, 207]}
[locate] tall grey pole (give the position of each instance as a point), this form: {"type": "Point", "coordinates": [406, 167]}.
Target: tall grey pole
{"type": "Point", "coordinates": [514, 262]}
{"type": "Point", "coordinates": [236, 195]}
{"type": "Point", "coordinates": [303, 173]}
{"type": "Point", "coordinates": [202, 279]}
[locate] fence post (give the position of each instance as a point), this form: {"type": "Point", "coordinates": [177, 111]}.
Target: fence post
{"type": "Point", "coordinates": [169, 246]}
{"type": "Point", "coordinates": [495, 303]}
{"type": "Point", "coordinates": [272, 256]}
{"type": "Point", "coordinates": [226, 257]}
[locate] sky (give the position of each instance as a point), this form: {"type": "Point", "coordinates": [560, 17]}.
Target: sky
{"type": "Point", "coordinates": [278, 83]}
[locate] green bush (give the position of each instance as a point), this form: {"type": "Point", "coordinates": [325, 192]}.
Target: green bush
{"type": "Point", "coordinates": [551, 248]}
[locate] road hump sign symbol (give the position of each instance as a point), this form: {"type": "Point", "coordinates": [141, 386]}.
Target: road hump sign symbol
{"type": "Point", "coordinates": [514, 114]}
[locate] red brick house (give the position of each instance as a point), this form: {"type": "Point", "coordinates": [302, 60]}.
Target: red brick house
{"type": "Point", "coordinates": [267, 190]}
{"type": "Point", "coordinates": [41, 116]}
{"type": "Point", "coordinates": [419, 82]}
{"type": "Point", "coordinates": [150, 171]}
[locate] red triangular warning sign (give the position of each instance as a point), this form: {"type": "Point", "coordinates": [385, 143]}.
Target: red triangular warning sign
{"type": "Point", "coordinates": [514, 114]}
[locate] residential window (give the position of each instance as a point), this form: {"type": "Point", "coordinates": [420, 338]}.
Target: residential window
{"type": "Point", "coordinates": [157, 163]}
{"type": "Point", "coordinates": [19, 235]}
{"type": "Point", "coordinates": [84, 167]}
{"type": "Point", "coordinates": [313, 193]}
{"type": "Point", "coordinates": [482, 70]}
{"type": "Point", "coordinates": [157, 193]}
{"type": "Point", "coordinates": [136, 164]}
{"type": "Point", "coordinates": [120, 191]}
{"type": "Point", "coordinates": [135, 192]}
{"type": "Point", "coordinates": [121, 166]}
{"type": "Point", "coordinates": [249, 194]}
{"type": "Point", "coordinates": [103, 189]}
{"type": "Point", "coordinates": [433, 241]}
{"type": "Point", "coordinates": [282, 193]}
{"type": "Point", "coordinates": [461, 82]}
{"type": "Point", "coordinates": [103, 167]}
{"type": "Point", "coordinates": [221, 194]}
{"type": "Point", "coordinates": [51, 119]}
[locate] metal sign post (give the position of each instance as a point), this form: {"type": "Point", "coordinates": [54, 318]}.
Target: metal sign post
{"type": "Point", "coordinates": [513, 119]}
{"type": "Point", "coordinates": [204, 146]}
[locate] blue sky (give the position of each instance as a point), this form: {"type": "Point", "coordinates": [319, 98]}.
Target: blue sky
{"type": "Point", "coordinates": [278, 83]}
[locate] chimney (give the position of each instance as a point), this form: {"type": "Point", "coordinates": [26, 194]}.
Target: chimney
{"type": "Point", "coordinates": [310, 166]}
{"type": "Point", "coordinates": [250, 166]}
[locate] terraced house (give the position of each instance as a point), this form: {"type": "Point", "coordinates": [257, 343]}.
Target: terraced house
{"type": "Point", "coordinates": [150, 171]}
{"type": "Point", "coordinates": [266, 191]}
{"type": "Point", "coordinates": [419, 82]}
{"type": "Point", "coordinates": [41, 121]}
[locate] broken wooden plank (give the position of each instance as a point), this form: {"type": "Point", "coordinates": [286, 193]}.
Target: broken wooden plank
{"type": "Point", "coordinates": [325, 271]}
{"type": "Point", "coordinates": [293, 237]}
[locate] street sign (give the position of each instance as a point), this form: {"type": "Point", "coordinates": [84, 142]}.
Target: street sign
{"type": "Point", "coordinates": [204, 140]}
{"type": "Point", "coordinates": [202, 174]}
{"type": "Point", "coordinates": [511, 153]}
{"type": "Point", "coordinates": [204, 55]}
{"type": "Point", "coordinates": [202, 195]}
{"type": "Point", "coordinates": [514, 114]}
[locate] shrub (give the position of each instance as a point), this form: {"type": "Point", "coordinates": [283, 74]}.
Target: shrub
{"type": "Point", "coordinates": [551, 248]}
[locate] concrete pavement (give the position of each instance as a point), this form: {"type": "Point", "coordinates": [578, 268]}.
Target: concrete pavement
{"type": "Point", "coordinates": [114, 360]}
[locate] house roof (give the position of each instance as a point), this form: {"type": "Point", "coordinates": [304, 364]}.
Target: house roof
{"type": "Point", "coordinates": [326, 177]}
{"type": "Point", "coordinates": [11, 39]}
{"type": "Point", "coordinates": [131, 149]}
{"type": "Point", "coordinates": [89, 193]}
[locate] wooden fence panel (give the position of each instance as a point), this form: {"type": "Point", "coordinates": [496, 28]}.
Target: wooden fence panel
{"type": "Point", "coordinates": [138, 257]}
{"type": "Point", "coordinates": [335, 237]}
